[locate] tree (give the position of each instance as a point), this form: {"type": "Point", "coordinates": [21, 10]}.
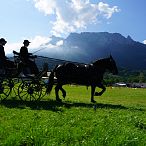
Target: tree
{"type": "Point", "coordinates": [141, 77]}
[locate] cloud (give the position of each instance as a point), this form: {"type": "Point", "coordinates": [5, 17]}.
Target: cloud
{"type": "Point", "coordinates": [59, 43]}
{"type": "Point", "coordinates": [12, 46]}
{"type": "Point", "coordinates": [46, 6]}
{"type": "Point", "coordinates": [73, 15]}
{"type": "Point", "coordinates": [36, 42]}
{"type": "Point", "coordinates": [106, 11]}
{"type": "Point", "coordinates": [144, 41]}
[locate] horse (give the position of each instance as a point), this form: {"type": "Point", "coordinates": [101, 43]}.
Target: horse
{"type": "Point", "coordinates": [87, 74]}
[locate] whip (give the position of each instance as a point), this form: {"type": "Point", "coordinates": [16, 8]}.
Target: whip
{"type": "Point", "coordinates": [39, 50]}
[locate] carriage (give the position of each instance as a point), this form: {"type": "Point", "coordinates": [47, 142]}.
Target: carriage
{"type": "Point", "coordinates": [28, 87]}
{"type": "Point", "coordinates": [22, 85]}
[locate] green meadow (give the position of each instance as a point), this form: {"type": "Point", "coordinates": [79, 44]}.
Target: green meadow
{"type": "Point", "coordinates": [117, 119]}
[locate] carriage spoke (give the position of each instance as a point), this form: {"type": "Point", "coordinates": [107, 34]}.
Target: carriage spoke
{"type": "Point", "coordinates": [22, 91]}
{"type": "Point", "coordinates": [24, 95]}
{"type": "Point", "coordinates": [34, 97]}
{"type": "Point", "coordinates": [43, 87]}
{"type": "Point", "coordinates": [36, 92]}
{"type": "Point", "coordinates": [6, 93]}
{"type": "Point", "coordinates": [28, 90]}
{"type": "Point", "coordinates": [13, 84]}
{"type": "Point", "coordinates": [5, 90]}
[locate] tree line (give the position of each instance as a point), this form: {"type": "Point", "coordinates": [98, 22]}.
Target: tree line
{"type": "Point", "coordinates": [126, 76]}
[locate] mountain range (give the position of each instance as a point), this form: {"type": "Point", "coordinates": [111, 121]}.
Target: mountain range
{"type": "Point", "coordinates": [86, 47]}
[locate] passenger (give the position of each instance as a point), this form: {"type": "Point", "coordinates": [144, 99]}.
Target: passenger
{"type": "Point", "coordinates": [4, 62]}
{"type": "Point", "coordinates": [26, 57]}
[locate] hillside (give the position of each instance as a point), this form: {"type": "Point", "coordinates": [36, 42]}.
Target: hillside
{"type": "Point", "coordinates": [88, 46]}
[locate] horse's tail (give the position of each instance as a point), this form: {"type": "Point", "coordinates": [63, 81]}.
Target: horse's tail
{"type": "Point", "coordinates": [50, 83]}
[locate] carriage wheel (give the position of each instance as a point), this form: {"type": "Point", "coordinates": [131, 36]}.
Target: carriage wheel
{"type": "Point", "coordinates": [14, 84]}
{"type": "Point", "coordinates": [28, 90]}
{"type": "Point", "coordinates": [5, 89]}
{"type": "Point", "coordinates": [43, 86]}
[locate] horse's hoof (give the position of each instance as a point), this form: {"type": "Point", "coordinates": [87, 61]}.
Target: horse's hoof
{"type": "Point", "coordinates": [93, 101]}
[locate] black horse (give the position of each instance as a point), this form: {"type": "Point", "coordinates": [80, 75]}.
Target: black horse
{"type": "Point", "coordinates": [88, 75]}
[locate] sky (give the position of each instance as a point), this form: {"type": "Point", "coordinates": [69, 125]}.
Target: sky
{"type": "Point", "coordinates": [38, 20]}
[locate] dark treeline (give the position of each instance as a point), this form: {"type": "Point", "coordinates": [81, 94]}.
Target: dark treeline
{"type": "Point", "coordinates": [127, 76]}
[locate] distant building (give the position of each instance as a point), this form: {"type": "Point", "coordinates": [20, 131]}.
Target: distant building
{"type": "Point", "coordinates": [138, 85]}
{"type": "Point", "coordinates": [120, 85]}
{"type": "Point", "coordinates": [130, 85]}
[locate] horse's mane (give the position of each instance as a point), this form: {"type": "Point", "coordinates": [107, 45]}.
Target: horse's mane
{"type": "Point", "coordinates": [99, 60]}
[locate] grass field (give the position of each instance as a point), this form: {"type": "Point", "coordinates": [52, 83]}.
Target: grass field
{"type": "Point", "coordinates": [117, 119]}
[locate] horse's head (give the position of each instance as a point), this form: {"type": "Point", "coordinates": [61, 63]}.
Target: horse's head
{"type": "Point", "coordinates": [106, 63]}
{"type": "Point", "coordinates": [112, 65]}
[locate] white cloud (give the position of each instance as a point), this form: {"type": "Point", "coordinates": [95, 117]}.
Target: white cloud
{"type": "Point", "coordinates": [59, 43]}
{"type": "Point", "coordinates": [36, 42]}
{"type": "Point", "coordinates": [106, 10]}
{"type": "Point", "coordinates": [12, 46]}
{"type": "Point", "coordinates": [46, 6]}
{"type": "Point", "coordinates": [144, 41]}
{"type": "Point", "coordinates": [71, 15]}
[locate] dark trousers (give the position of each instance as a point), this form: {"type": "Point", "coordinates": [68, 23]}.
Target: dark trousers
{"type": "Point", "coordinates": [33, 67]}
{"type": "Point", "coordinates": [28, 67]}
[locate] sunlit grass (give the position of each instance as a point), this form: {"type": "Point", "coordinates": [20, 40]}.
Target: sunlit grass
{"type": "Point", "coordinates": [117, 119]}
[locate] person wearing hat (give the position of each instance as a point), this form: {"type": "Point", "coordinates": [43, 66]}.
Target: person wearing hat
{"type": "Point", "coordinates": [2, 51]}
{"type": "Point", "coordinates": [26, 57]}
{"type": "Point", "coordinates": [4, 62]}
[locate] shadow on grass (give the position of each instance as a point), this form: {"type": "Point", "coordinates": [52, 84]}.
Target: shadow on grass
{"type": "Point", "coordinates": [56, 106]}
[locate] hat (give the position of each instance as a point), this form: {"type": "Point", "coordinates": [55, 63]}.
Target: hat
{"type": "Point", "coordinates": [26, 41]}
{"type": "Point", "coordinates": [3, 40]}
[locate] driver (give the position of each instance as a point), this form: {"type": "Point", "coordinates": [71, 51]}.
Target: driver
{"type": "Point", "coordinates": [26, 57]}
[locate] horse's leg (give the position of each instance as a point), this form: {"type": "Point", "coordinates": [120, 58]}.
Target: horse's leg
{"type": "Point", "coordinates": [103, 89]}
{"type": "Point", "coordinates": [57, 93]}
{"type": "Point", "coordinates": [63, 92]}
{"type": "Point", "coordinates": [92, 93]}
